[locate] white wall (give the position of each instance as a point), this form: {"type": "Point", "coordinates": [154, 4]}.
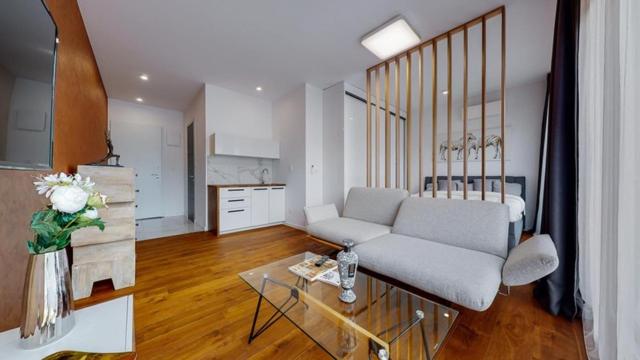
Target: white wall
{"type": "Point", "coordinates": [313, 145]}
{"type": "Point", "coordinates": [195, 114]}
{"type": "Point", "coordinates": [289, 129]}
{"type": "Point", "coordinates": [122, 113]}
{"type": "Point", "coordinates": [334, 157]}
{"type": "Point", "coordinates": [229, 112]}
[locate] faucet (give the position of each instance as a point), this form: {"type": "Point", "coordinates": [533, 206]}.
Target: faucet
{"type": "Point", "coordinates": [265, 176]}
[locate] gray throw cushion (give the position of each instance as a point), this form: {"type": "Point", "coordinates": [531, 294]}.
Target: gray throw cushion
{"type": "Point", "coordinates": [510, 188]}
{"type": "Point", "coordinates": [477, 185]}
{"type": "Point", "coordinates": [443, 185]}
{"type": "Point", "coordinates": [470, 224]}
{"type": "Point", "coordinates": [466, 277]}
{"type": "Point", "coordinates": [531, 260]}
{"type": "Point", "coordinates": [338, 230]}
{"type": "Point", "coordinates": [377, 205]}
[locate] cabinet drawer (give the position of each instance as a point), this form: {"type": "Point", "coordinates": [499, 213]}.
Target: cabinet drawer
{"type": "Point", "coordinates": [234, 219]}
{"type": "Point", "coordinates": [234, 192]}
{"type": "Point", "coordinates": [234, 203]}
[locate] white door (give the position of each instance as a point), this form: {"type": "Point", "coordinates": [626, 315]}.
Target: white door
{"type": "Point", "coordinates": [259, 206]}
{"type": "Point", "coordinates": [276, 204]}
{"type": "Point", "coordinates": [140, 147]}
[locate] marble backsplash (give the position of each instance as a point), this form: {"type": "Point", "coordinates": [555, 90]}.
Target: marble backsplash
{"type": "Point", "coordinates": [236, 170]}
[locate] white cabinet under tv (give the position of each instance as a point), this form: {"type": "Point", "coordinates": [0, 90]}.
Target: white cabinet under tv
{"type": "Point", "coordinates": [242, 207]}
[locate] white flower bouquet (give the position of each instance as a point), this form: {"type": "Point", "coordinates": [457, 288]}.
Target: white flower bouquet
{"type": "Point", "coordinates": [73, 205]}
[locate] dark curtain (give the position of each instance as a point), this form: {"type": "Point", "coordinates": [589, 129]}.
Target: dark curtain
{"type": "Point", "coordinates": [558, 292]}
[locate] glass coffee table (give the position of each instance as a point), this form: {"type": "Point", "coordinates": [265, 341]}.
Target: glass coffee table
{"type": "Point", "coordinates": [384, 322]}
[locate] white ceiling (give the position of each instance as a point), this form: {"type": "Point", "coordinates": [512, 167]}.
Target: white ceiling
{"type": "Point", "coordinates": [278, 44]}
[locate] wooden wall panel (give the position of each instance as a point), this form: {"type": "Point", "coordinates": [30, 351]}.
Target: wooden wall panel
{"type": "Point", "coordinates": [80, 122]}
{"type": "Point", "coordinates": [81, 100]}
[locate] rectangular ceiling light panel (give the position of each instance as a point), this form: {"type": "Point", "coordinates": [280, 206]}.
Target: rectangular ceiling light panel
{"type": "Point", "coordinates": [391, 38]}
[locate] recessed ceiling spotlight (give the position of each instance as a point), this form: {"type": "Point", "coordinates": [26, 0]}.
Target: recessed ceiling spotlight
{"type": "Point", "coordinates": [57, 40]}
{"type": "Point", "coordinates": [144, 77]}
{"type": "Point", "coordinates": [391, 38]}
{"type": "Point", "coordinates": [445, 92]}
{"type": "Point", "coordinates": [139, 99]}
{"type": "Point", "coordinates": [258, 88]}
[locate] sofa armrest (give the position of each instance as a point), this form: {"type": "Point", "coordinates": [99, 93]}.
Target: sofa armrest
{"type": "Point", "coordinates": [319, 213]}
{"type": "Point", "coordinates": [529, 261]}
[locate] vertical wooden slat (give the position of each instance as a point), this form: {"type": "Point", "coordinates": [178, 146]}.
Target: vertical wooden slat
{"type": "Point", "coordinates": [434, 119]}
{"type": "Point", "coordinates": [387, 128]}
{"type": "Point", "coordinates": [409, 123]}
{"type": "Point", "coordinates": [421, 121]}
{"type": "Point", "coordinates": [464, 113]}
{"type": "Point", "coordinates": [449, 94]}
{"type": "Point", "coordinates": [368, 128]}
{"type": "Point", "coordinates": [503, 106]}
{"type": "Point", "coordinates": [398, 317]}
{"type": "Point", "coordinates": [397, 111]}
{"type": "Point", "coordinates": [410, 315]}
{"type": "Point", "coordinates": [483, 170]}
{"type": "Point", "coordinates": [369, 295]}
{"type": "Point", "coordinates": [378, 127]}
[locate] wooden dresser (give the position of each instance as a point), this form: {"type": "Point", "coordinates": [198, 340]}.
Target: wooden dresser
{"type": "Point", "coordinates": [237, 207]}
{"type": "Point", "coordinates": [108, 254]}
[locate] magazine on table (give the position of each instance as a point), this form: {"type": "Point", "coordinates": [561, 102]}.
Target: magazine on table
{"type": "Point", "coordinates": [308, 269]}
{"type": "Point", "coordinates": [331, 277]}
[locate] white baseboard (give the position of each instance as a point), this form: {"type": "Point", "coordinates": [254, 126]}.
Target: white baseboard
{"type": "Point", "coordinates": [295, 226]}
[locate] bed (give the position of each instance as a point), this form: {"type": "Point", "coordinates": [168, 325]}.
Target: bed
{"type": "Point", "coordinates": [515, 196]}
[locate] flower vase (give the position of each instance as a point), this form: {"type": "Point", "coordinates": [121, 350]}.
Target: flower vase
{"type": "Point", "coordinates": [347, 266]}
{"type": "Point", "coordinates": [47, 307]}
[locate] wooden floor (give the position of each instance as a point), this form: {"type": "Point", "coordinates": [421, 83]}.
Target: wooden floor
{"type": "Point", "coordinates": [190, 304]}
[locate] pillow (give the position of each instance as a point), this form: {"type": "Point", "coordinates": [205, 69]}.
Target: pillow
{"type": "Point", "coordinates": [510, 188]}
{"type": "Point", "coordinates": [477, 185]}
{"type": "Point", "coordinates": [531, 260]}
{"type": "Point", "coordinates": [455, 185]}
{"type": "Point", "coordinates": [442, 185]}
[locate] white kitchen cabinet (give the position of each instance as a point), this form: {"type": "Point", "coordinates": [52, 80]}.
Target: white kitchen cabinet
{"type": "Point", "coordinates": [243, 207]}
{"type": "Point", "coordinates": [233, 145]}
{"type": "Point", "coordinates": [259, 206]}
{"type": "Point", "coordinates": [276, 204]}
{"type": "Point", "coordinates": [231, 219]}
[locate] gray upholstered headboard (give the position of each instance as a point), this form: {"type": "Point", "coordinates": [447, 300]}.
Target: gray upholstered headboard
{"type": "Point", "coordinates": [509, 179]}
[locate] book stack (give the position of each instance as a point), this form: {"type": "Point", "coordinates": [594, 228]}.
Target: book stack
{"type": "Point", "coordinates": [327, 272]}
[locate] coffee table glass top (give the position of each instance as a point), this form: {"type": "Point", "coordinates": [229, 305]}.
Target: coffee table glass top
{"type": "Point", "coordinates": [383, 317]}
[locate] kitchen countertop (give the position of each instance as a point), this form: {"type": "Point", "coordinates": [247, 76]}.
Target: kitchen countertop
{"type": "Point", "coordinates": [244, 185]}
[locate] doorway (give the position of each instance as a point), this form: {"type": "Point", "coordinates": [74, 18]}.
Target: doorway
{"type": "Point", "coordinates": [140, 147]}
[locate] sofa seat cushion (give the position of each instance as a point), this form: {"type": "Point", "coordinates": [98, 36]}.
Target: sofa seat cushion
{"type": "Point", "coordinates": [338, 230]}
{"type": "Point", "coordinates": [466, 277]}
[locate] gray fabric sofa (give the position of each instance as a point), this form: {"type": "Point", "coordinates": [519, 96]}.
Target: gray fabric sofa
{"type": "Point", "coordinates": [368, 213]}
{"type": "Point", "coordinates": [455, 249]}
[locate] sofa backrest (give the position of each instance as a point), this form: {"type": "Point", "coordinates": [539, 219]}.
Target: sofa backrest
{"type": "Point", "coordinates": [470, 224]}
{"type": "Point", "coordinates": [377, 205]}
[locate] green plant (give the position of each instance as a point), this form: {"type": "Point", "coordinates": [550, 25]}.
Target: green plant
{"type": "Point", "coordinates": [73, 206]}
